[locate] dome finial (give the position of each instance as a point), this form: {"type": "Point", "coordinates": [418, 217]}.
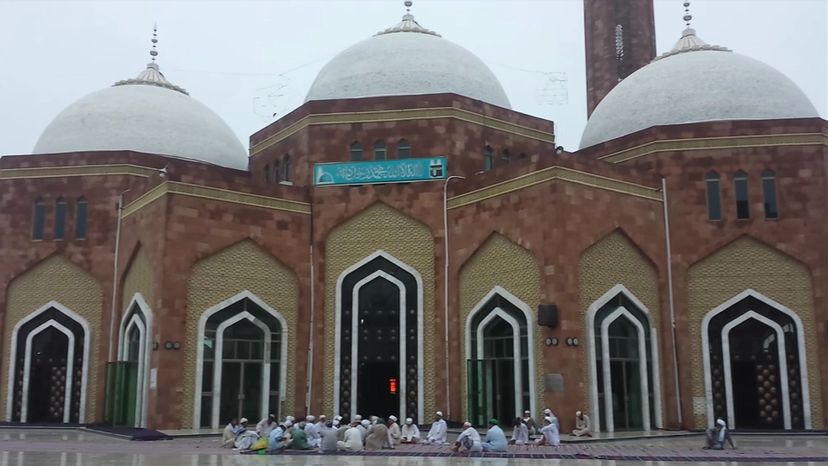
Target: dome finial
{"type": "Point", "coordinates": [408, 23]}
{"type": "Point", "coordinates": [408, 4]}
{"type": "Point", "coordinates": [153, 51]}
{"type": "Point", "coordinates": [687, 16]}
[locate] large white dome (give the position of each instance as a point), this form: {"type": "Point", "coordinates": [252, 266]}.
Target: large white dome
{"type": "Point", "coordinates": [406, 59]}
{"type": "Point", "coordinates": [146, 114]}
{"type": "Point", "coordinates": [695, 82]}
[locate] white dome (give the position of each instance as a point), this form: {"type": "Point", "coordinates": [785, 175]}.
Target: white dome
{"type": "Point", "coordinates": [147, 114]}
{"type": "Point", "coordinates": [406, 60]}
{"type": "Point", "coordinates": [695, 82]}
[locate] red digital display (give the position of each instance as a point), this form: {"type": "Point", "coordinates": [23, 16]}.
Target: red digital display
{"type": "Point", "coordinates": [392, 386]}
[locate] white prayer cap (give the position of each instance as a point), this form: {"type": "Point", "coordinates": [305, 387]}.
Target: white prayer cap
{"type": "Point", "coordinates": [720, 422]}
{"type": "Point", "coordinates": [439, 413]}
{"type": "Point", "coordinates": [527, 412]}
{"type": "Point", "coordinates": [577, 413]}
{"type": "Point", "coordinates": [366, 422]}
{"type": "Point", "coordinates": [322, 416]}
{"type": "Point", "coordinates": [548, 419]}
{"type": "Point", "coordinates": [467, 424]}
{"type": "Point", "coordinates": [243, 420]}
{"type": "Point", "coordinates": [547, 411]}
{"type": "Point", "coordinates": [408, 420]}
{"type": "Point", "coordinates": [290, 418]}
{"type": "Point", "coordinates": [357, 417]}
{"type": "Point", "coordinates": [393, 418]}
{"type": "Point", "coordinates": [336, 422]}
{"type": "Point", "coordinates": [288, 423]}
{"type": "Point", "coordinates": [310, 418]}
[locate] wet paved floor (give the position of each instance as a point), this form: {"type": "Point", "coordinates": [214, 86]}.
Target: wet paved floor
{"type": "Point", "coordinates": [44, 447]}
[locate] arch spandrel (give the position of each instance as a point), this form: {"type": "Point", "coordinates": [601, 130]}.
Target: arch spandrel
{"type": "Point", "coordinates": [747, 264]}
{"type": "Point", "coordinates": [138, 278]}
{"type": "Point", "coordinates": [56, 279]}
{"type": "Point", "coordinates": [380, 227]}
{"type": "Point", "coordinates": [220, 276]}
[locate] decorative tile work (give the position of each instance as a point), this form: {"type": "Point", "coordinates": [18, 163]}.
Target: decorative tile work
{"type": "Point", "coordinates": [138, 279]}
{"type": "Point", "coordinates": [613, 260]}
{"type": "Point", "coordinates": [76, 170]}
{"type": "Point", "coordinates": [57, 279]}
{"type": "Point", "coordinates": [243, 266]}
{"type": "Point", "coordinates": [381, 227]}
{"type": "Point", "coordinates": [742, 264]}
{"type": "Point", "coordinates": [500, 262]}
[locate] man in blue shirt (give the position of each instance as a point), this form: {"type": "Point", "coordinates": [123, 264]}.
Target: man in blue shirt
{"type": "Point", "coordinates": [495, 438]}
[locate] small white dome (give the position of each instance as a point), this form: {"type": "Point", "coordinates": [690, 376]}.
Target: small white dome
{"type": "Point", "coordinates": [695, 82]}
{"type": "Point", "coordinates": [406, 60]}
{"type": "Point", "coordinates": [146, 114]}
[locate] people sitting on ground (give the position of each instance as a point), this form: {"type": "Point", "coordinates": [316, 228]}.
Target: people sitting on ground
{"type": "Point", "coordinates": [717, 436]}
{"type": "Point", "coordinates": [363, 429]}
{"type": "Point", "coordinates": [410, 432]}
{"type": "Point", "coordinates": [279, 437]}
{"type": "Point", "coordinates": [468, 440]}
{"type": "Point", "coordinates": [495, 438]}
{"type": "Point", "coordinates": [582, 425]}
{"type": "Point", "coordinates": [246, 438]}
{"type": "Point", "coordinates": [439, 430]}
{"type": "Point", "coordinates": [549, 433]}
{"type": "Point", "coordinates": [299, 440]}
{"type": "Point", "coordinates": [520, 432]}
{"type": "Point", "coordinates": [531, 425]}
{"type": "Point", "coordinates": [321, 422]}
{"type": "Point", "coordinates": [264, 426]}
{"type": "Point", "coordinates": [341, 428]}
{"type": "Point", "coordinates": [312, 432]}
{"type": "Point", "coordinates": [329, 442]}
{"type": "Point", "coordinates": [393, 432]}
{"type": "Point", "coordinates": [377, 439]}
{"type": "Point", "coordinates": [353, 439]}
{"type": "Point", "coordinates": [228, 438]}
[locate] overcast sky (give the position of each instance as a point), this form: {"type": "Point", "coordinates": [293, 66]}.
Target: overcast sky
{"type": "Point", "coordinates": [249, 60]}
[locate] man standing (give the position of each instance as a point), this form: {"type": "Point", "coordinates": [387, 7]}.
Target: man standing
{"type": "Point", "coordinates": [439, 430]}
{"type": "Point", "coordinates": [582, 425]}
{"type": "Point", "coordinates": [469, 440]}
{"type": "Point", "coordinates": [495, 438]}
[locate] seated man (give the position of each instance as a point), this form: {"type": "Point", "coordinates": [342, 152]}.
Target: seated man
{"type": "Point", "coordinates": [495, 438]}
{"type": "Point", "coordinates": [300, 439]}
{"type": "Point", "coordinates": [439, 430]}
{"type": "Point", "coordinates": [353, 439]}
{"type": "Point", "coordinates": [582, 425]}
{"type": "Point", "coordinates": [279, 438]}
{"type": "Point", "coordinates": [410, 432]}
{"type": "Point", "coordinates": [549, 433]}
{"type": "Point", "coordinates": [717, 436]}
{"type": "Point", "coordinates": [468, 440]}
{"type": "Point", "coordinates": [228, 438]}
{"type": "Point", "coordinates": [328, 443]}
{"type": "Point", "coordinates": [520, 432]}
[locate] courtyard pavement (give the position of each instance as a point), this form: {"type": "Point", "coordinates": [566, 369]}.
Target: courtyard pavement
{"type": "Point", "coordinates": [73, 447]}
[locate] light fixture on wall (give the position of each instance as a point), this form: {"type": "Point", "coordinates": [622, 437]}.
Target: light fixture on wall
{"type": "Point", "coordinates": [551, 341]}
{"type": "Point", "coordinates": [176, 346]}
{"type": "Point", "coordinates": [572, 341]}
{"type": "Point", "coordinates": [168, 345]}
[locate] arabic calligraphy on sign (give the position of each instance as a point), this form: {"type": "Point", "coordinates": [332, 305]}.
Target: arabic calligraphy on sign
{"type": "Point", "coordinates": [355, 173]}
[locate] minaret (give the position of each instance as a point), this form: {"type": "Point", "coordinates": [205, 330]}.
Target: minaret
{"type": "Point", "coordinates": [620, 38]}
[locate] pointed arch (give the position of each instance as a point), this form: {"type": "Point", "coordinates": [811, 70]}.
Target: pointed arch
{"type": "Point", "coordinates": [81, 207]}
{"type": "Point", "coordinates": [138, 314]}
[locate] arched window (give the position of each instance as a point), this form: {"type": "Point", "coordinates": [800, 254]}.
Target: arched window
{"type": "Point", "coordinates": [403, 149]}
{"type": "Point", "coordinates": [276, 173]}
{"type": "Point", "coordinates": [356, 151]}
{"type": "Point", "coordinates": [714, 202]}
{"type": "Point", "coordinates": [286, 167]}
{"type": "Point", "coordinates": [267, 173]}
{"type": "Point", "coordinates": [740, 187]}
{"type": "Point", "coordinates": [488, 158]}
{"type": "Point", "coordinates": [80, 219]}
{"type": "Point", "coordinates": [505, 156]}
{"type": "Point", "coordinates": [769, 194]}
{"type": "Point", "coordinates": [60, 218]}
{"type": "Point", "coordinates": [379, 150]}
{"type": "Point", "coordinates": [38, 217]}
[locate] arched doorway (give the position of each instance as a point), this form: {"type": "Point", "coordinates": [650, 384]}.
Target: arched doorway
{"type": "Point", "coordinates": [623, 363]}
{"type": "Point", "coordinates": [134, 351]}
{"type": "Point", "coordinates": [48, 370]}
{"type": "Point", "coordinates": [379, 332]}
{"type": "Point", "coordinates": [241, 362]}
{"type": "Point", "coordinates": [499, 364]}
{"type": "Point", "coordinates": [754, 361]}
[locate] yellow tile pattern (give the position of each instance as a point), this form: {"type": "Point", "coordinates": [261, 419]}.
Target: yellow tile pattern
{"type": "Point", "coordinates": [138, 279]}
{"type": "Point", "coordinates": [243, 266]}
{"type": "Point", "coordinates": [381, 227]}
{"type": "Point", "coordinates": [742, 264]}
{"type": "Point", "coordinates": [501, 262]}
{"type": "Point", "coordinates": [57, 279]}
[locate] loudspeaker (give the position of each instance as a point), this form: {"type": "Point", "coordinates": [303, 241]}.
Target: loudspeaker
{"type": "Point", "coordinates": [548, 315]}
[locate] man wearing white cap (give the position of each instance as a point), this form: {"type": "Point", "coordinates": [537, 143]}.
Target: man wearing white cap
{"type": "Point", "coordinates": [312, 432]}
{"type": "Point", "coordinates": [321, 422]}
{"type": "Point", "coordinates": [439, 429]}
{"type": "Point", "coordinates": [393, 431]}
{"type": "Point", "coordinates": [410, 432]}
{"type": "Point", "coordinates": [469, 439]}
{"type": "Point", "coordinates": [353, 439]}
{"type": "Point", "coordinates": [279, 437]}
{"type": "Point", "coordinates": [550, 433]}
{"type": "Point", "coordinates": [582, 425]}
{"type": "Point", "coordinates": [363, 426]}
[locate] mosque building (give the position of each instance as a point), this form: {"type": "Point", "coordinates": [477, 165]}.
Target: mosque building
{"type": "Point", "coordinates": [405, 242]}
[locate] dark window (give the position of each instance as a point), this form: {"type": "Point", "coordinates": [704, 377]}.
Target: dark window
{"type": "Point", "coordinates": [60, 218]}
{"type": "Point", "coordinates": [505, 157]}
{"type": "Point", "coordinates": [379, 150]}
{"type": "Point", "coordinates": [38, 219]}
{"type": "Point", "coordinates": [80, 219]}
{"type": "Point", "coordinates": [267, 174]}
{"type": "Point", "coordinates": [403, 149]}
{"type": "Point", "coordinates": [740, 186]}
{"type": "Point", "coordinates": [714, 201]}
{"type": "Point", "coordinates": [769, 194]}
{"type": "Point", "coordinates": [356, 151]}
{"type": "Point", "coordinates": [488, 158]}
{"type": "Point", "coordinates": [276, 173]}
{"type": "Point", "coordinates": [286, 168]}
